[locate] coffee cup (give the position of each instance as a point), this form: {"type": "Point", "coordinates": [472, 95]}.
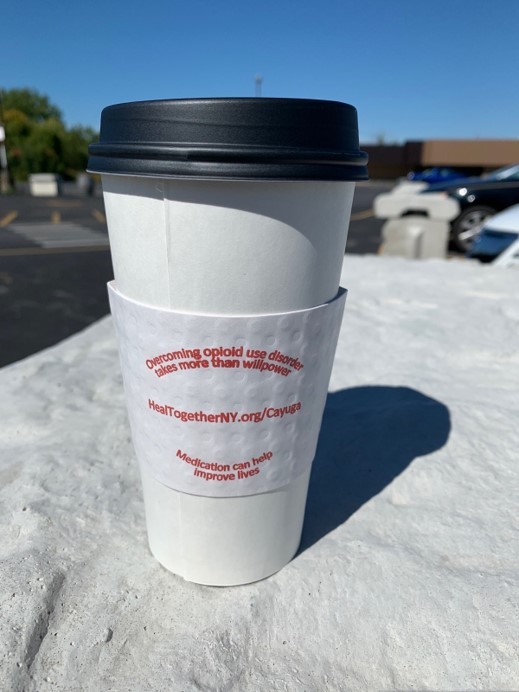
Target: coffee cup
{"type": "Point", "coordinates": [228, 222]}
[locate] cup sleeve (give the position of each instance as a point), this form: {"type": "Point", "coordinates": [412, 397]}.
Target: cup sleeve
{"type": "Point", "coordinates": [224, 405]}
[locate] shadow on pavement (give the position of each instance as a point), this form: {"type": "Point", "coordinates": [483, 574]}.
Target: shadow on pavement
{"type": "Point", "coordinates": [368, 437]}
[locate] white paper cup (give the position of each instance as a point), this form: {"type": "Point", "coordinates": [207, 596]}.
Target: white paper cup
{"type": "Point", "coordinates": [230, 246]}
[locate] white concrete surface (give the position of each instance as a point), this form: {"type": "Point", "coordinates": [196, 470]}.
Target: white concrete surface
{"type": "Point", "coordinates": [408, 576]}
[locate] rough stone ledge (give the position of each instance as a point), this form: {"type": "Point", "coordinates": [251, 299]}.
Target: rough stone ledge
{"type": "Point", "coordinates": [408, 573]}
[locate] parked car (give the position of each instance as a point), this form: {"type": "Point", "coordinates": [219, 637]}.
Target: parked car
{"type": "Point", "coordinates": [436, 174]}
{"type": "Point", "coordinates": [478, 199]}
{"type": "Point", "coordinates": [497, 234]}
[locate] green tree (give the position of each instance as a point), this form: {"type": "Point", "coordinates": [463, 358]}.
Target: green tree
{"type": "Point", "coordinates": [37, 140]}
{"type": "Point", "coordinates": [18, 128]}
{"type": "Point", "coordinates": [75, 148]}
{"type": "Point", "coordinates": [36, 106]}
{"type": "Point", "coordinates": [44, 147]}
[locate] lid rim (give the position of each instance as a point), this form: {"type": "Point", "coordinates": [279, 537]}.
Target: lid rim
{"type": "Point", "coordinates": [227, 153]}
{"type": "Point", "coordinates": [229, 171]}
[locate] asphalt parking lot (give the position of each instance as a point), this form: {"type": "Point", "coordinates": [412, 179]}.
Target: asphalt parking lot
{"type": "Point", "coordinates": [55, 263]}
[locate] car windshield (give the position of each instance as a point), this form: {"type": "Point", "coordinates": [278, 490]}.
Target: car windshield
{"type": "Point", "coordinates": [505, 173]}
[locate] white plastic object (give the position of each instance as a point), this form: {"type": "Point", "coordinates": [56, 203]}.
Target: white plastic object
{"type": "Point", "coordinates": [435, 204]}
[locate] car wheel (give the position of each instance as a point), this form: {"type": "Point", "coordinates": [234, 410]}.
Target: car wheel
{"type": "Point", "coordinates": [468, 224]}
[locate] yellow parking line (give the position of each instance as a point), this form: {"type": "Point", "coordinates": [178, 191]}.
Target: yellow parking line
{"type": "Point", "coordinates": [362, 215]}
{"type": "Point", "coordinates": [6, 220]}
{"type": "Point", "coordinates": [23, 251]}
{"type": "Point", "coordinates": [55, 217]}
{"type": "Point", "coordinates": [99, 216]}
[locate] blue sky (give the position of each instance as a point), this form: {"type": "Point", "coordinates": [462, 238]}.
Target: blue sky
{"type": "Point", "coordinates": [414, 69]}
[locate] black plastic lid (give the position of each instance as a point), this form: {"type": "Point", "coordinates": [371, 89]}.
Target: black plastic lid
{"type": "Point", "coordinates": [231, 138]}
